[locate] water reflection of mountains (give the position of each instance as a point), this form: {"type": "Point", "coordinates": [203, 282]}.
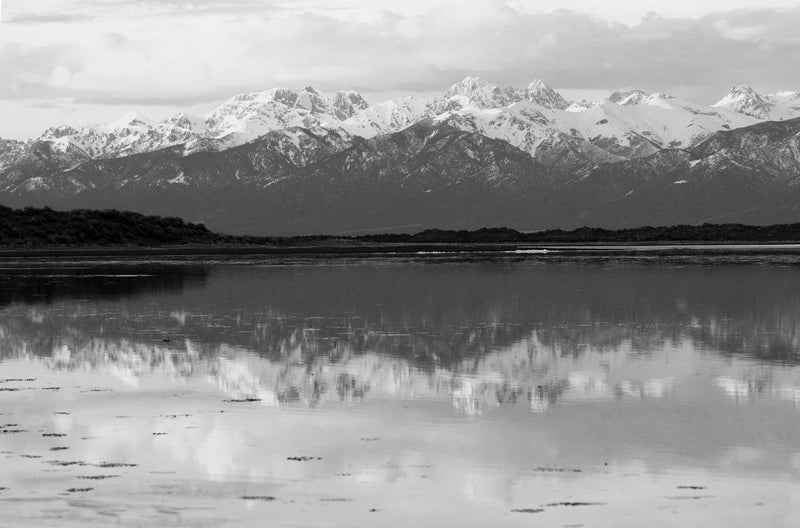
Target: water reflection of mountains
{"type": "Point", "coordinates": [523, 373]}
{"type": "Point", "coordinates": [431, 315]}
{"type": "Point", "coordinates": [479, 334]}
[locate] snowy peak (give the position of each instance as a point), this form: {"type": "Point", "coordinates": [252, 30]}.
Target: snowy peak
{"type": "Point", "coordinates": [474, 91]}
{"type": "Point", "coordinates": [745, 100]}
{"type": "Point", "coordinates": [59, 132]}
{"type": "Point", "coordinates": [187, 122]}
{"type": "Point", "coordinates": [278, 101]}
{"type": "Point", "coordinates": [284, 96]}
{"type": "Point", "coordinates": [482, 94]}
{"type": "Point", "coordinates": [538, 92]}
{"type": "Point", "coordinates": [771, 107]}
{"type": "Point", "coordinates": [580, 105]}
{"type": "Point", "coordinates": [346, 104]}
{"type": "Point", "coordinates": [390, 116]}
{"type": "Point", "coordinates": [128, 121]}
{"type": "Point", "coordinates": [341, 105]}
{"type": "Point", "coordinates": [627, 98]}
{"type": "Point", "coordinates": [313, 101]}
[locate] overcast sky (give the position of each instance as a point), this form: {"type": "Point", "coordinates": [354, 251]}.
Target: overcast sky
{"type": "Point", "coordinates": [83, 61]}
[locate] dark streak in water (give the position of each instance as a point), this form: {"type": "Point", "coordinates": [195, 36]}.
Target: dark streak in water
{"type": "Point", "coordinates": [264, 498]}
{"type": "Point", "coordinates": [557, 470]}
{"type": "Point", "coordinates": [114, 465]}
{"type": "Point", "coordinates": [692, 487]}
{"type": "Point", "coordinates": [552, 504]}
{"type": "Point", "coordinates": [59, 448]}
{"type": "Point", "coordinates": [98, 477]}
{"type": "Point", "coordinates": [303, 458]}
{"type": "Point", "coordinates": [528, 510]}
{"type": "Point", "coordinates": [57, 435]}
{"type": "Point", "coordinates": [79, 490]}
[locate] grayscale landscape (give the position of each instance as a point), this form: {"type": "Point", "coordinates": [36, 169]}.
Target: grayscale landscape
{"type": "Point", "coordinates": [353, 263]}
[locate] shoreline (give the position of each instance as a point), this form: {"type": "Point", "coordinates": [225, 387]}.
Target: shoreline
{"type": "Point", "coordinates": [389, 249]}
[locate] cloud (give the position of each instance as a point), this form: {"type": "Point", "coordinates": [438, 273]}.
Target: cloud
{"type": "Point", "coordinates": [32, 18]}
{"type": "Point", "coordinates": [172, 52]}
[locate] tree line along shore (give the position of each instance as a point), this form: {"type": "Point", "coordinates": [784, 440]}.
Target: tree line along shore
{"type": "Point", "coordinates": [46, 228]}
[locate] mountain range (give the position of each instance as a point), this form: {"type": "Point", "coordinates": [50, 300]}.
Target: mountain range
{"type": "Point", "coordinates": [286, 162]}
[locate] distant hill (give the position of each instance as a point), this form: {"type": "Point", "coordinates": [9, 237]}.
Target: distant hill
{"type": "Point", "coordinates": [44, 228]}
{"type": "Point", "coordinates": [32, 227]}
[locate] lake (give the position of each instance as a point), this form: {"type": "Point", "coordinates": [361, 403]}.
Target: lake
{"type": "Point", "coordinates": [438, 390]}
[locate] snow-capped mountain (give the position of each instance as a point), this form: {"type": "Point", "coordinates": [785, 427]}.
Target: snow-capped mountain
{"type": "Point", "coordinates": [482, 94]}
{"type": "Point", "coordinates": [306, 162]}
{"type": "Point", "coordinates": [626, 125]}
{"type": "Point", "coordinates": [236, 121]}
{"type": "Point", "coordinates": [130, 134]}
{"type": "Point", "coordinates": [770, 107]}
{"type": "Point", "coordinates": [435, 173]}
{"type": "Point", "coordinates": [535, 118]}
{"type": "Point", "coordinates": [538, 92]}
{"type": "Point", "coordinates": [665, 120]}
{"type": "Point", "coordinates": [390, 116]}
{"type": "Point", "coordinates": [245, 117]}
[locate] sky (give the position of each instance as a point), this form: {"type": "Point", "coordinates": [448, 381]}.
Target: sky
{"type": "Point", "coordinates": [85, 61]}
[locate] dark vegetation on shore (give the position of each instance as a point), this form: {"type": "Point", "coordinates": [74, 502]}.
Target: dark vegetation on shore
{"type": "Point", "coordinates": [31, 227]}
{"type": "Point", "coordinates": [737, 233]}
{"type": "Point", "coordinates": [43, 227]}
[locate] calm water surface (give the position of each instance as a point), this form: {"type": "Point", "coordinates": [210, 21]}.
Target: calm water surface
{"type": "Point", "coordinates": [516, 391]}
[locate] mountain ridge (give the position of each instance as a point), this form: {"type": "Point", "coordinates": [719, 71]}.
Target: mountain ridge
{"type": "Point", "coordinates": [482, 155]}
{"type": "Point", "coordinates": [247, 116]}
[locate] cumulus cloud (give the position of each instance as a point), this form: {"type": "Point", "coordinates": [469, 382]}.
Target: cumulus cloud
{"type": "Point", "coordinates": [170, 51]}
